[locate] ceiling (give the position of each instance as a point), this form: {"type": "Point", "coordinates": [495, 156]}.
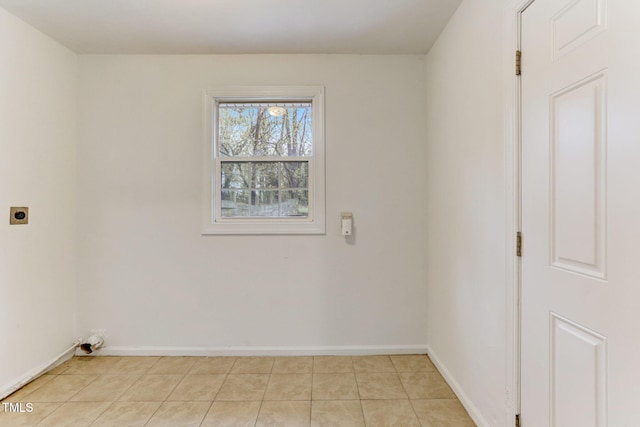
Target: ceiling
{"type": "Point", "coordinates": [238, 26]}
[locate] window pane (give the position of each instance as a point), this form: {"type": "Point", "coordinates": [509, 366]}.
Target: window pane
{"type": "Point", "coordinates": [250, 189]}
{"type": "Point", "coordinates": [235, 175]}
{"type": "Point", "coordinates": [265, 129]}
{"type": "Point", "coordinates": [265, 174]}
{"type": "Point", "coordinates": [295, 175]}
{"type": "Point", "coordinates": [234, 131]}
{"type": "Point", "coordinates": [235, 203]}
{"type": "Point", "coordinates": [294, 203]}
{"type": "Point", "coordinates": [264, 203]}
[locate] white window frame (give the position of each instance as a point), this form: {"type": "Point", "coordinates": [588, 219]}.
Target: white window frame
{"type": "Point", "coordinates": [212, 221]}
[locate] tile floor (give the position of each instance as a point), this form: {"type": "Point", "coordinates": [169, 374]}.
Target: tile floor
{"type": "Point", "coordinates": [239, 391]}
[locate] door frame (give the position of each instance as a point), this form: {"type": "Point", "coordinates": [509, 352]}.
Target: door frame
{"type": "Point", "coordinates": [513, 205]}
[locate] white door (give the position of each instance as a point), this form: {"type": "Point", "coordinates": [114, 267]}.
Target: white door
{"type": "Point", "coordinates": [581, 213]}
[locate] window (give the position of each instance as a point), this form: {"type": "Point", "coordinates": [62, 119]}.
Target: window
{"type": "Point", "coordinates": [264, 160]}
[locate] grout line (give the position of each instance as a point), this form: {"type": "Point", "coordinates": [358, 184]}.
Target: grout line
{"type": "Point", "coordinates": [313, 364]}
{"type": "Point", "coordinates": [266, 387]}
{"type": "Point", "coordinates": [233, 365]}
{"type": "Point", "coordinates": [205, 413]}
{"type": "Point", "coordinates": [151, 366]}
{"type": "Point", "coordinates": [408, 397]}
{"type": "Point", "coordinates": [402, 384]}
{"type": "Point", "coordinates": [105, 410]}
{"type": "Point", "coordinates": [208, 409]}
{"type": "Point", "coordinates": [226, 375]}
{"type": "Point", "coordinates": [53, 376]}
{"type": "Point", "coordinates": [100, 414]}
{"type": "Point", "coordinates": [165, 399]}
{"type": "Point", "coordinates": [258, 414]}
{"type": "Point", "coordinates": [154, 412]}
{"type": "Point", "coordinates": [355, 377]}
{"type": "Point", "coordinates": [364, 419]}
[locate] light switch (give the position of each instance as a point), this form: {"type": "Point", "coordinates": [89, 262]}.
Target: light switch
{"type": "Point", "coordinates": [346, 220]}
{"type": "Point", "coordinates": [18, 215]}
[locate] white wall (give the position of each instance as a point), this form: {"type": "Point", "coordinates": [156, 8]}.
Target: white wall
{"type": "Point", "coordinates": [149, 278]}
{"type": "Point", "coordinates": [38, 84]}
{"type": "Point", "coordinates": [466, 207]}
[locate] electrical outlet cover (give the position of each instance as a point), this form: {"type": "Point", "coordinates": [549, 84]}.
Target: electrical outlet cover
{"type": "Point", "coordinates": [19, 215]}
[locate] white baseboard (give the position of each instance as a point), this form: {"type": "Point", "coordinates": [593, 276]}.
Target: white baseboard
{"type": "Point", "coordinates": [31, 375]}
{"type": "Point", "coordinates": [259, 351]}
{"type": "Point", "coordinates": [473, 411]}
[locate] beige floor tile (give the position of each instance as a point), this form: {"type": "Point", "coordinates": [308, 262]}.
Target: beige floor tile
{"type": "Point", "coordinates": [85, 365]}
{"type": "Point", "coordinates": [426, 385]}
{"type": "Point", "coordinates": [442, 413]}
{"type": "Point", "coordinates": [243, 387]}
{"type": "Point", "coordinates": [373, 364]}
{"type": "Point", "coordinates": [151, 388]}
{"type": "Point", "coordinates": [293, 365]}
{"type": "Point", "coordinates": [105, 388]}
{"type": "Point", "coordinates": [413, 363]}
{"type": "Point", "coordinates": [75, 414]}
{"type": "Point", "coordinates": [332, 364]}
{"type": "Point", "coordinates": [24, 419]}
{"type": "Point", "coordinates": [135, 365]}
{"type": "Point", "coordinates": [380, 386]}
{"type": "Point", "coordinates": [338, 413]}
{"type": "Point", "coordinates": [334, 387]}
{"type": "Point", "coordinates": [60, 389]}
{"type": "Point", "coordinates": [213, 365]}
{"type": "Point", "coordinates": [232, 414]}
{"type": "Point", "coordinates": [385, 413]}
{"type": "Point", "coordinates": [173, 365]}
{"type": "Point", "coordinates": [61, 367]}
{"type": "Point", "coordinates": [198, 387]}
{"type": "Point", "coordinates": [179, 414]}
{"type": "Point", "coordinates": [18, 395]}
{"type": "Point", "coordinates": [398, 390]}
{"type": "Point", "coordinates": [284, 414]}
{"type": "Point", "coordinates": [127, 414]}
{"type": "Point", "coordinates": [289, 387]}
{"type": "Point", "coordinates": [253, 365]}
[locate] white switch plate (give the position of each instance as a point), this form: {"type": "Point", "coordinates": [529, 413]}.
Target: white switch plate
{"type": "Point", "coordinates": [346, 223]}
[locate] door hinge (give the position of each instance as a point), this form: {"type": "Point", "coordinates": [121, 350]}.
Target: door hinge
{"type": "Point", "coordinates": [517, 420]}
{"type": "Point", "coordinates": [518, 62]}
{"type": "Point", "coordinates": [519, 244]}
